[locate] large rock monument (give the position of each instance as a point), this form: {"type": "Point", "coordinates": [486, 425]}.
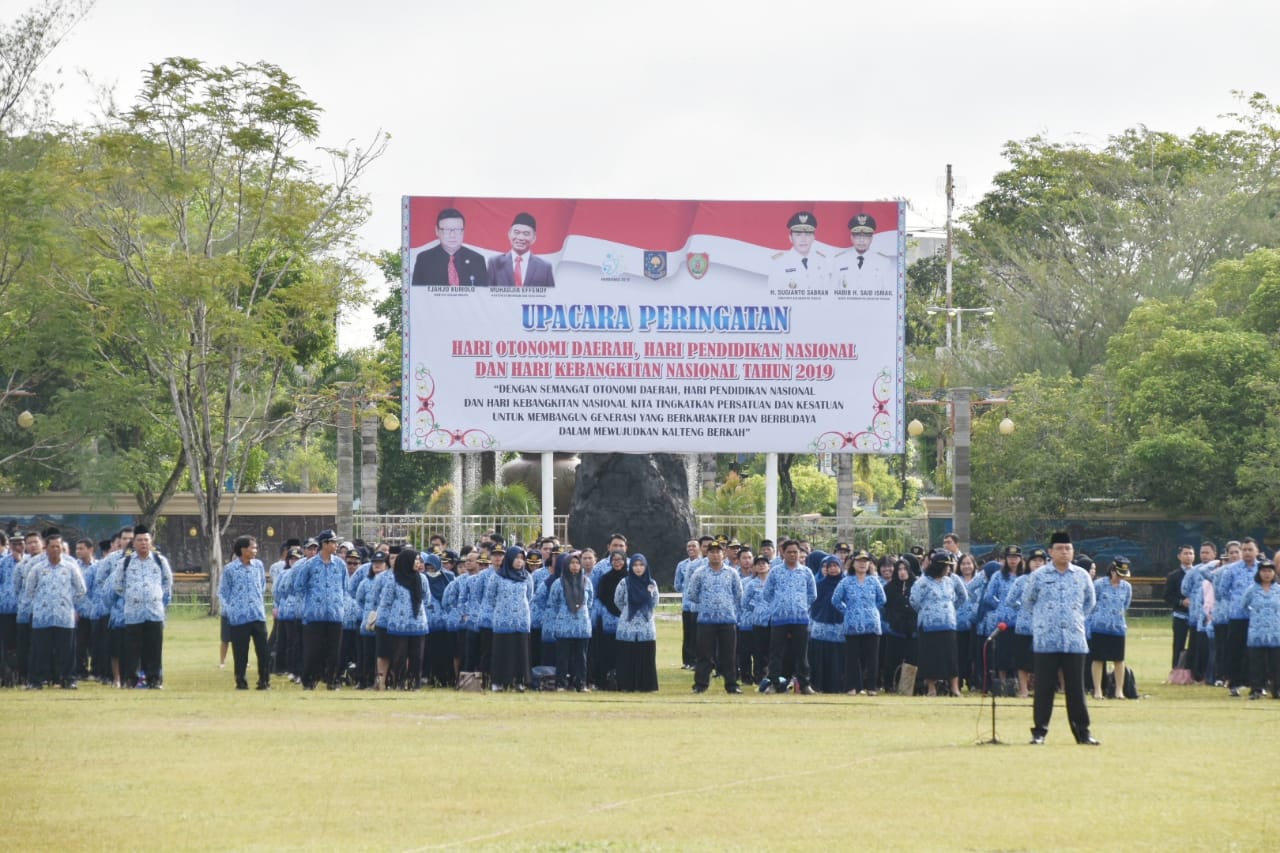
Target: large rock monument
{"type": "Point", "coordinates": [644, 496]}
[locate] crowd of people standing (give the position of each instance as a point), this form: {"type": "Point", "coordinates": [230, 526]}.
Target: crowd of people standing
{"type": "Point", "coordinates": [498, 616]}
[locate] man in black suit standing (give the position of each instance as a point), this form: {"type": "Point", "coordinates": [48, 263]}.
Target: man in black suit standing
{"type": "Point", "coordinates": [449, 263]}
{"type": "Point", "coordinates": [519, 267]}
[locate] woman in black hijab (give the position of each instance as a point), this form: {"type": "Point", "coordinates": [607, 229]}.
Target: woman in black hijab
{"type": "Point", "coordinates": [899, 623]}
{"type": "Point", "coordinates": [637, 635]}
{"type": "Point", "coordinates": [826, 627]}
{"type": "Point", "coordinates": [604, 674]}
{"type": "Point", "coordinates": [510, 594]}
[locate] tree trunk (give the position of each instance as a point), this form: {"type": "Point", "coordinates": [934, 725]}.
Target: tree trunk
{"type": "Point", "coordinates": [844, 496]}
{"type": "Point", "coordinates": [787, 489]}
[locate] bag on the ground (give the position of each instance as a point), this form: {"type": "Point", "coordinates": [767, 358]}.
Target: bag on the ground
{"type": "Point", "coordinates": [544, 678]}
{"type": "Point", "coordinates": [907, 679]}
{"type": "Point", "coordinates": [471, 682]}
{"type": "Point", "coordinates": [1181, 673]}
{"type": "Point", "coordinates": [1130, 684]}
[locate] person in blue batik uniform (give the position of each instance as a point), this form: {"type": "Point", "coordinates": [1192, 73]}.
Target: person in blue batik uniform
{"type": "Point", "coordinates": [1107, 626]}
{"type": "Point", "coordinates": [402, 613]}
{"type": "Point", "coordinates": [717, 590]}
{"type": "Point", "coordinates": [860, 597]}
{"type": "Point", "coordinates": [1262, 603]}
{"type": "Point", "coordinates": [688, 614]}
{"type": "Point", "coordinates": [508, 597]}
{"type": "Point", "coordinates": [933, 597]}
{"type": "Point", "coordinates": [637, 633]}
{"type": "Point", "coordinates": [568, 614]}
{"type": "Point", "coordinates": [826, 627]}
{"type": "Point", "coordinates": [241, 593]}
{"type": "Point", "coordinates": [437, 665]}
{"type": "Point", "coordinates": [322, 582]}
{"type": "Point", "coordinates": [1061, 596]}
{"type": "Point", "coordinates": [56, 586]}
{"type": "Point", "coordinates": [145, 582]}
{"type": "Point", "coordinates": [788, 594]}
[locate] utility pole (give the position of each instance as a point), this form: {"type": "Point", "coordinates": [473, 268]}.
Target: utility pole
{"type": "Point", "coordinates": [951, 203]}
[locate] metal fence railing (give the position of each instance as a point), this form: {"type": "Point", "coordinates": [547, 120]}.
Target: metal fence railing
{"type": "Point", "coordinates": [873, 532]}
{"type": "Point", "coordinates": [879, 534]}
{"type": "Point", "coordinates": [457, 529]}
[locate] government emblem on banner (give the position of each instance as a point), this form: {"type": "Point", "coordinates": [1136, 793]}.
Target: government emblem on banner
{"type": "Point", "coordinates": [655, 265]}
{"type": "Point", "coordinates": [697, 263]}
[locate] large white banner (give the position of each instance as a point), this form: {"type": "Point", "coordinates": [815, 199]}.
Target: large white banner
{"type": "Point", "coordinates": [653, 326]}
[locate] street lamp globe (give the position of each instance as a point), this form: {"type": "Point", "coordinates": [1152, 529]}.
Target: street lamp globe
{"type": "Point", "coordinates": [390, 422]}
{"type": "Point", "coordinates": [26, 419]}
{"type": "Point", "coordinates": [1007, 426]}
{"type": "Point", "coordinates": [915, 429]}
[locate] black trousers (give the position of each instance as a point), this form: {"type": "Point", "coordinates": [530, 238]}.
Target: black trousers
{"type": "Point", "coordinates": [1264, 663]}
{"type": "Point", "coordinates": [406, 659]}
{"type": "Point", "coordinates": [1198, 648]}
{"type": "Point", "coordinates": [862, 661]}
{"type": "Point", "coordinates": [241, 635]}
{"type": "Point", "coordinates": [102, 649]}
{"type": "Point", "coordinates": [289, 646]}
{"type": "Point", "coordinates": [52, 656]}
{"type": "Point", "coordinates": [1047, 667]}
{"type": "Point", "coordinates": [1180, 629]}
{"type": "Point", "coordinates": [789, 653]}
{"type": "Point", "coordinates": [571, 662]}
{"type": "Point", "coordinates": [22, 642]}
{"type": "Point", "coordinates": [8, 647]}
{"type": "Point", "coordinates": [84, 645]}
{"type": "Point", "coordinates": [143, 643]}
{"type": "Point", "coordinates": [745, 650]}
{"type": "Point", "coordinates": [689, 637]}
{"type": "Point", "coordinates": [437, 658]}
{"type": "Point", "coordinates": [1238, 652]}
{"type": "Point", "coordinates": [716, 643]}
{"type": "Point", "coordinates": [321, 643]}
{"type": "Point", "coordinates": [759, 653]}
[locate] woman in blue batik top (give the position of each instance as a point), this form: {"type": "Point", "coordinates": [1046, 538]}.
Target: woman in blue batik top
{"type": "Point", "coordinates": [568, 615]}
{"type": "Point", "coordinates": [509, 596]}
{"type": "Point", "coordinates": [826, 627]}
{"type": "Point", "coordinates": [1262, 603]}
{"type": "Point", "coordinates": [1106, 624]}
{"type": "Point", "coordinates": [933, 598]}
{"type": "Point", "coordinates": [402, 613]}
{"type": "Point", "coordinates": [637, 634]}
{"type": "Point", "coordinates": [860, 597]}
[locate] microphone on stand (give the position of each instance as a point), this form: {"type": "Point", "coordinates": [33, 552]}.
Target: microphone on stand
{"type": "Point", "coordinates": [1003, 626]}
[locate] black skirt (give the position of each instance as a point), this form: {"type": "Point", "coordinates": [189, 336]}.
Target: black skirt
{"type": "Point", "coordinates": [637, 665]}
{"type": "Point", "coordinates": [510, 659]}
{"type": "Point", "coordinates": [1024, 656]}
{"type": "Point", "coordinates": [826, 666]}
{"type": "Point", "coordinates": [1106, 647]}
{"type": "Point", "coordinates": [938, 655]}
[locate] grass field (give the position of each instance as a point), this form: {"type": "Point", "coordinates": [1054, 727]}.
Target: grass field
{"type": "Point", "coordinates": [200, 766]}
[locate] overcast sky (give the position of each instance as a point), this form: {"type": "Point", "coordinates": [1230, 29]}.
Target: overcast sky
{"type": "Point", "coordinates": [696, 99]}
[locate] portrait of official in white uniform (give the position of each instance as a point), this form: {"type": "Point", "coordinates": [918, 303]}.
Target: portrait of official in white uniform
{"type": "Point", "coordinates": [860, 267]}
{"type": "Point", "coordinates": [802, 266]}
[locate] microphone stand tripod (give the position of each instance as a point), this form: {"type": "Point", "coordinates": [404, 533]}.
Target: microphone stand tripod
{"type": "Point", "coordinates": [986, 678]}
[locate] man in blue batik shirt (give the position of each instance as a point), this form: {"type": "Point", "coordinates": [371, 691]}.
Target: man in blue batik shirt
{"type": "Point", "coordinates": [1060, 596]}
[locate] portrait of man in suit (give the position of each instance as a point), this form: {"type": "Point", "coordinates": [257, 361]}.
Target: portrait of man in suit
{"type": "Point", "coordinates": [449, 263]}
{"type": "Point", "coordinates": [519, 267]}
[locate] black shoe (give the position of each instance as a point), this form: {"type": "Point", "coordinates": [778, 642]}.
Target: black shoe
{"type": "Point", "coordinates": [1253, 694]}
{"type": "Point", "coordinates": [808, 691]}
{"type": "Point", "coordinates": [1088, 740]}
{"type": "Point", "coordinates": [1234, 693]}
{"type": "Point", "coordinates": [242, 685]}
{"type": "Point", "coordinates": [698, 688]}
{"type": "Point", "coordinates": [263, 685]}
{"type": "Point", "coordinates": [69, 684]}
{"type": "Point", "coordinates": [1037, 740]}
{"type": "Point", "coordinates": [734, 690]}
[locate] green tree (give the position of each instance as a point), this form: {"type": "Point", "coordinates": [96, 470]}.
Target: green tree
{"type": "Point", "coordinates": [220, 259]}
{"type": "Point", "coordinates": [1071, 239]}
